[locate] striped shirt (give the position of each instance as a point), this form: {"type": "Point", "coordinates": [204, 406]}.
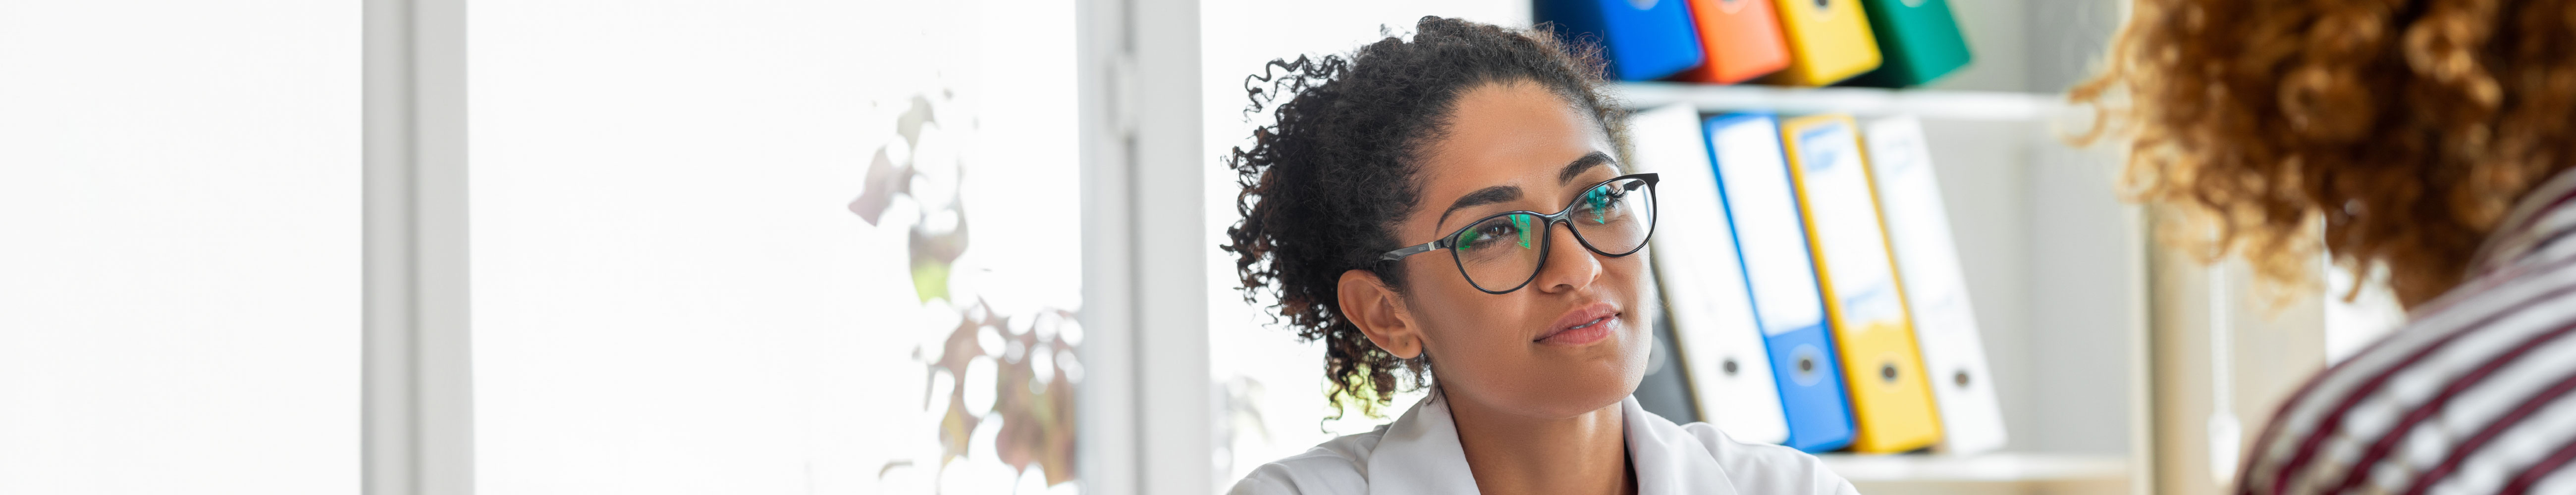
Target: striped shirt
{"type": "Point", "coordinates": [2472, 396]}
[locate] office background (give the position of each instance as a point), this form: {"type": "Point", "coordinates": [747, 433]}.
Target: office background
{"type": "Point", "coordinates": [803, 246]}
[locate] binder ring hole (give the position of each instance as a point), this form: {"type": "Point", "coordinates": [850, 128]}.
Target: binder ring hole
{"type": "Point", "coordinates": [1887, 372]}
{"type": "Point", "coordinates": [1728, 366]}
{"type": "Point", "coordinates": [1960, 378]}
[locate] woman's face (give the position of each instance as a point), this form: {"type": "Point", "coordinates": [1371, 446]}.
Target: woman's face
{"type": "Point", "coordinates": [1574, 339]}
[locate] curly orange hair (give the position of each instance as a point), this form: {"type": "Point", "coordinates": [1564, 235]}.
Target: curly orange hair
{"type": "Point", "coordinates": [2407, 128]}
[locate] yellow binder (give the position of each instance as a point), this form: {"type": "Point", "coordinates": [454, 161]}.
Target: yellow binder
{"type": "Point", "coordinates": [1829, 41]}
{"type": "Point", "coordinates": [1872, 331]}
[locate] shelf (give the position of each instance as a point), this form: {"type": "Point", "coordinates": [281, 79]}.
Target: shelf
{"type": "Point", "coordinates": [1981, 468]}
{"type": "Point", "coordinates": [1929, 104]}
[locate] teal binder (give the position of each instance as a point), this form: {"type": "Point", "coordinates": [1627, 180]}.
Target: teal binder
{"type": "Point", "coordinates": [1918, 41]}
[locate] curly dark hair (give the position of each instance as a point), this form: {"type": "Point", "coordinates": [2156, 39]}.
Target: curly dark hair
{"type": "Point", "coordinates": [1324, 184]}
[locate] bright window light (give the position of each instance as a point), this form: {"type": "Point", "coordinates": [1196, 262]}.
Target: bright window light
{"type": "Point", "coordinates": [179, 271]}
{"type": "Point", "coordinates": [723, 247]}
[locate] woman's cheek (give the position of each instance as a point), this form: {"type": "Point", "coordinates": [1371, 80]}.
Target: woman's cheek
{"type": "Point", "coordinates": [1644, 306]}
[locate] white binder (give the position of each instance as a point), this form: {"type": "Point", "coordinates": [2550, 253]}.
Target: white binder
{"type": "Point", "coordinates": [1945, 325]}
{"type": "Point", "coordinates": [1703, 286]}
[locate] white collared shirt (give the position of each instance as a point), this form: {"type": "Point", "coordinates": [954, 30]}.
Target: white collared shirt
{"type": "Point", "coordinates": [1418, 454]}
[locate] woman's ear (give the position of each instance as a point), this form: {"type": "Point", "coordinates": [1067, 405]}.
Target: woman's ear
{"type": "Point", "coordinates": [1368, 303]}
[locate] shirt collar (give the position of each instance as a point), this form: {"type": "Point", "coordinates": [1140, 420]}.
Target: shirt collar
{"type": "Point", "coordinates": [1669, 460]}
{"type": "Point", "coordinates": [1420, 454]}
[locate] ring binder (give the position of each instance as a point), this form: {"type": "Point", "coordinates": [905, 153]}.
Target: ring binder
{"type": "Point", "coordinates": [1643, 39]}
{"type": "Point", "coordinates": [1890, 398]}
{"type": "Point", "coordinates": [1703, 283]}
{"type": "Point", "coordinates": [1936, 292]}
{"type": "Point", "coordinates": [1829, 41]}
{"type": "Point", "coordinates": [1780, 277]}
{"type": "Point", "coordinates": [1741, 38]}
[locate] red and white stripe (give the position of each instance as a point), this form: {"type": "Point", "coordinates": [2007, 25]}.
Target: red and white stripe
{"type": "Point", "coordinates": [2476, 395]}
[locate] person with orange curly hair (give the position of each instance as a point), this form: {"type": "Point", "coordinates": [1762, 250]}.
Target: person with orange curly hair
{"type": "Point", "coordinates": [2425, 139]}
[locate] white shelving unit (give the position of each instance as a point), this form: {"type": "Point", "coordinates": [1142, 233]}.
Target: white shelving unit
{"type": "Point", "coordinates": [1981, 468]}
{"type": "Point", "coordinates": [2040, 233]}
{"type": "Point", "coordinates": [1985, 473]}
{"type": "Point", "coordinates": [1929, 104]}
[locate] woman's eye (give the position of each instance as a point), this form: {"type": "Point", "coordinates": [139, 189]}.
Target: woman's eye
{"type": "Point", "coordinates": [1603, 204]}
{"type": "Point", "coordinates": [1482, 236]}
{"type": "Point", "coordinates": [1514, 228]}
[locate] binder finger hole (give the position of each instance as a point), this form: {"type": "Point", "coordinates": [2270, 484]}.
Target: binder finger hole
{"type": "Point", "coordinates": [1808, 363]}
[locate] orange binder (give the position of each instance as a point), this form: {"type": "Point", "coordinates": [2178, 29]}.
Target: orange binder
{"type": "Point", "coordinates": [1742, 39]}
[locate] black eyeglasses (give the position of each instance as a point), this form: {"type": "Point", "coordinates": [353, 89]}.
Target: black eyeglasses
{"type": "Point", "coordinates": [1612, 218]}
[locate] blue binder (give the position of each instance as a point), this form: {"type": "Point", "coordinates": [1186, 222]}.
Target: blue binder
{"type": "Point", "coordinates": [1771, 240]}
{"type": "Point", "coordinates": [1643, 39]}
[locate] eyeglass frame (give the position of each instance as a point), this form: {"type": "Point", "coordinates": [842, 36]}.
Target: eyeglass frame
{"type": "Point", "coordinates": [1547, 242]}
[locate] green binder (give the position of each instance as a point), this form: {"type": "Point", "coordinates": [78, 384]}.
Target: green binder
{"type": "Point", "coordinates": [1919, 40]}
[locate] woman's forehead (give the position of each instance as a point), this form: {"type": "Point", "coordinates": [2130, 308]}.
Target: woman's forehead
{"type": "Point", "coordinates": [1509, 134]}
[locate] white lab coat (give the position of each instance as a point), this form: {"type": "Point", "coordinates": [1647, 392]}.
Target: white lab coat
{"type": "Point", "coordinates": [1418, 454]}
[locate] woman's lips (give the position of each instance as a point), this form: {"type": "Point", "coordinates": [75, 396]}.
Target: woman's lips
{"type": "Point", "coordinates": [1582, 325]}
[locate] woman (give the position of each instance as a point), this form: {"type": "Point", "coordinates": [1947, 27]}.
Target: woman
{"type": "Point", "coordinates": [1458, 199]}
{"type": "Point", "coordinates": [2432, 140]}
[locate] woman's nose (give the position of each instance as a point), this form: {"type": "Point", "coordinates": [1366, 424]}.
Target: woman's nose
{"type": "Point", "coordinates": [1569, 265]}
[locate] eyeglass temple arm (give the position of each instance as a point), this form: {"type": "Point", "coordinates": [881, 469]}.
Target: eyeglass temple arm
{"type": "Point", "coordinates": [1409, 251]}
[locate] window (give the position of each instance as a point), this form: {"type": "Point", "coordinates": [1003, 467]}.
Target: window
{"type": "Point", "coordinates": [179, 303]}
{"type": "Point", "coordinates": [790, 247]}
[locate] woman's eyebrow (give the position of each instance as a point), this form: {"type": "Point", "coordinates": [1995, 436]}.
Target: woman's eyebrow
{"type": "Point", "coordinates": [1581, 165]}
{"type": "Point", "coordinates": [1481, 197]}
{"type": "Point", "coordinates": [1499, 194]}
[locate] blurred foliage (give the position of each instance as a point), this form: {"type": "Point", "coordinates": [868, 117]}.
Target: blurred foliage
{"type": "Point", "coordinates": [1033, 393]}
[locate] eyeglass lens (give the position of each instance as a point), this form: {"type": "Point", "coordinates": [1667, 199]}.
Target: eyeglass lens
{"type": "Point", "coordinates": [1503, 252]}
